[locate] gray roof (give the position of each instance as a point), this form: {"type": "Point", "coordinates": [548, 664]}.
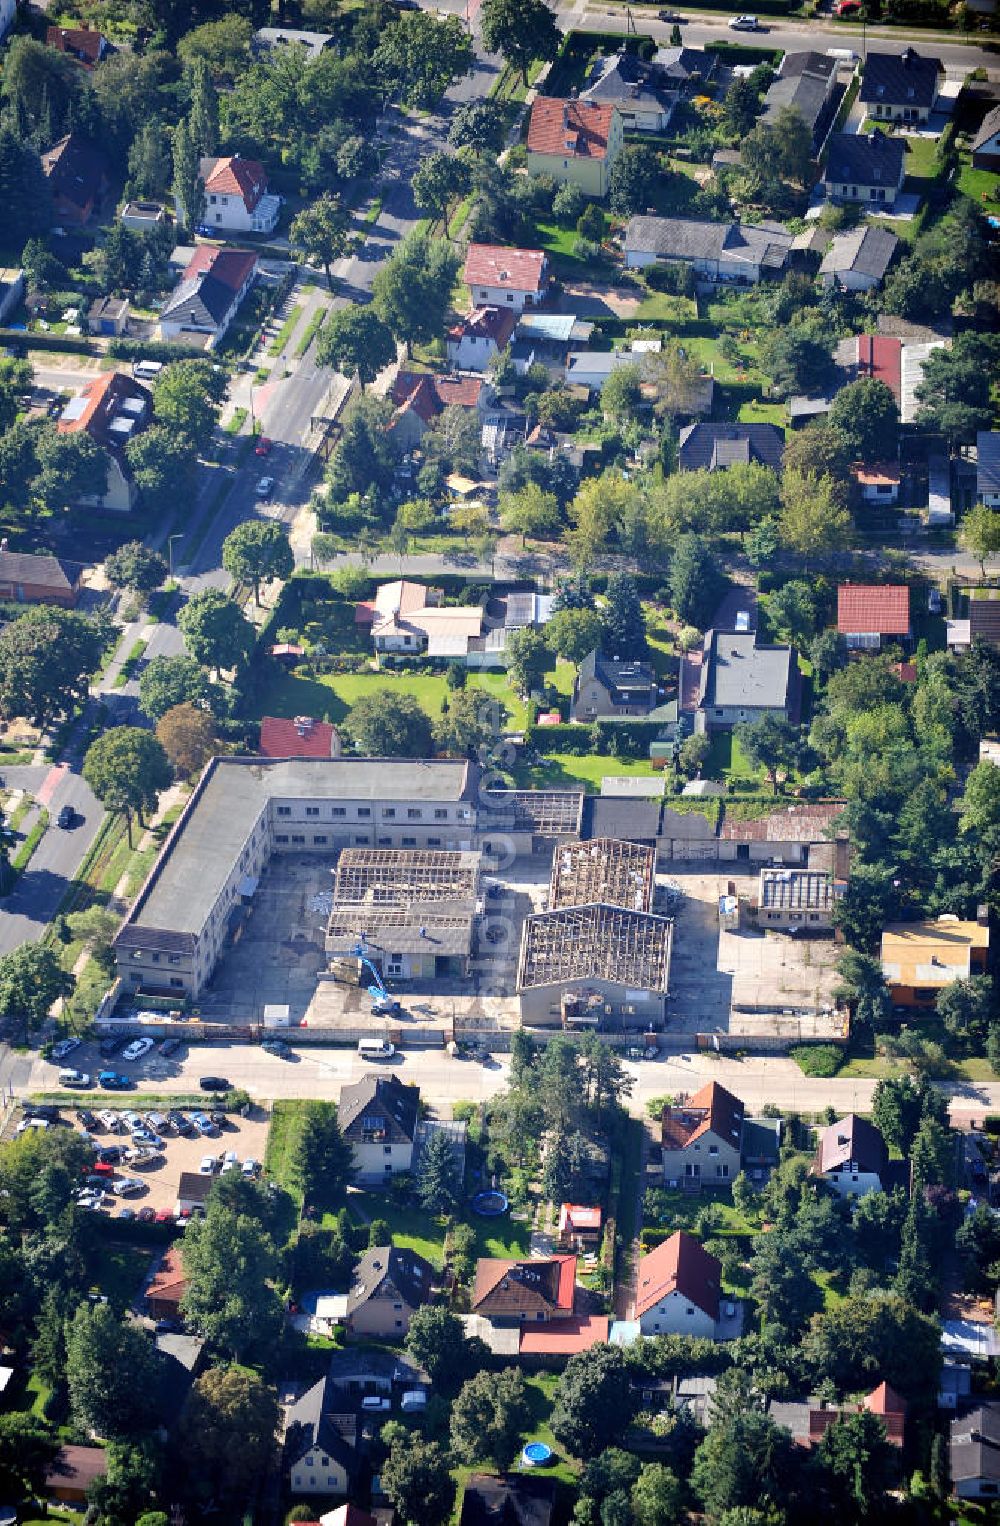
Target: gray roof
{"type": "Point", "coordinates": [312, 1420]}
{"type": "Point", "coordinates": [975, 1445]}
{"type": "Point", "coordinates": [681, 64]}
{"type": "Point", "coordinates": [870, 159]}
{"type": "Point", "coordinates": [742, 674]}
{"type": "Point", "coordinates": [688, 238]}
{"type": "Point", "coordinates": [384, 1269]}
{"type": "Point", "coordinates": [512, 1499]}
{"type": "Point", "coordinates": [634, 820]}
{"type": "Point", "coordinates": [384, 1099]}
{"type": "Point", "coordinates": [626, 682]}
{"type": "Point", "coordinates": [899, 79]}
{"type": "Point", "coordinates": [867, 251]}
{"type": "Point", "coordinates": [713, 447]}
{"type": "Point", "coordinates": [627, 78]}
{"type": "Point", "coordinates": [988, 461]}
{"type": "Point", "coordinates": [991, 126]}
{"type": "Point", "coordinates": [808, 62]}
{"type": "Point", "coordinates": [232, 796]}
{"type": "Point", "coordinates": [805, 93]}
{"type": "Point", "coordinates": [42, 570]}
{"type": "Point", "coordinates": [277, 36]}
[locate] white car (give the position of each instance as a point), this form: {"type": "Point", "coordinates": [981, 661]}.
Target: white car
{"type": "Point", "coordinates": [207, 1167]}
{"type": "Point", "coordinates": [137, 1049]}
{"type": "Point", "coordinates": [230, 1161]}
{"type": "Point", "coordinates": [64, 1047]}
{"type": "Point", "coordinates": [74, 1078]}
{"type": "Point", "coordinates": [744, 24]}
{"type": "Point", "coordinates": [251, 1167]}
{"type": "Point", "coordinates": [125, 1186]}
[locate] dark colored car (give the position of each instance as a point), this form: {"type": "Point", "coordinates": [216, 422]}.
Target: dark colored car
{"type": "Point", "coordinates": [111, 1155]}
{"type": "Point", "coordinates": [213, 1084]}
{"type": "Point", "coordinates": [113, 1081]}
{"type": "Point", "coordinates": [87, 1120]}
{"type": "Point", "coordinates": [41, 1110]}
{"type": "Point", "coordinates": [147, 1215]}
{"type": "Point", "coordinates": [178, 1121]}
{"type": "Point", "coordinates": [107, 1047]}
{"type": "Point", "coordinates": [66, 817]}
{"type": "Point", "coordinates": [170, 1046]}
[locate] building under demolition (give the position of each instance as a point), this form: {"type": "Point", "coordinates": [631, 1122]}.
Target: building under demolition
{"type": "Point", "coordinates": [588, 966]}
{"type": "Point", "coordinates": [413, 912]}
{"type": "Point", "coordinates": [605, 869]}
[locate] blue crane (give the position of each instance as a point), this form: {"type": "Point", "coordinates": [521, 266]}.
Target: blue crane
{"type": "Point", "coordinates": [378, 991]}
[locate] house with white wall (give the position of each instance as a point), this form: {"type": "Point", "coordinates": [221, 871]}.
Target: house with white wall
{"type": "Point", "coordinates": [678, 1291]}
{"type": "Point", "coordinates": [498, 276]}
{"type": "Point", "coordinates": [851, 1157]}
{"type": "Point", "coordinates": [236, 196]}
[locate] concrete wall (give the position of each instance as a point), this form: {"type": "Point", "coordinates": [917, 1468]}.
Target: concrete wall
{"type": "Point", "coordinates": [541, 1005]}
{"type": "Point", "coordinates": [377, 1162]}
{"type": "Point", "coordinates": [847, 1183]}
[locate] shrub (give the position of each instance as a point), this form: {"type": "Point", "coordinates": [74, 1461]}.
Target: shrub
{"type": "Point", "coordinates": [817, 1059]}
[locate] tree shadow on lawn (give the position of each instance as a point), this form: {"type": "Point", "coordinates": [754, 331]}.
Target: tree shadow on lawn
{"type": "Point", "coordinates": [288, 694]}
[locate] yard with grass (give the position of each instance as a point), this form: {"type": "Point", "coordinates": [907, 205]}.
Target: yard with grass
{"type": "Point", "coordinates": [118, 1272]}
{"type": "Point", "coordinates": [566, 771]}
{"type": "Point", "coordinates": [329, 696]}
{"type": "Point", "coordinates": [426, 1233]}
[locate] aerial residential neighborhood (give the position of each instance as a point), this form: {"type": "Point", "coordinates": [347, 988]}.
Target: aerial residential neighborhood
{"type": "Point", "coordinates": [499, 763]}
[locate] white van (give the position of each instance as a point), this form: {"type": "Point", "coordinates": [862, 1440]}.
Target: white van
{"type": "Point", "coordinates": [376, 1049]}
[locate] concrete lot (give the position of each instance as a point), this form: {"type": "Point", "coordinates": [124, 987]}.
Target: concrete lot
{"type": "Point", "coordinates": [247, 1136]}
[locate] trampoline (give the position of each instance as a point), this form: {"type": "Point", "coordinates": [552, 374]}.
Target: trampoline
{"type": "Point", "coordinates": [490, 1204]}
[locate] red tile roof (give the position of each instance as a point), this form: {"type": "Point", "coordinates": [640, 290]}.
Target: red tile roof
{"type": "Point", "coordinates": [891, 1408]}
{"type": "Point", "coordinates": [679, 1265]}
{"type": "Point", "coordinates": [302, 737]}
{"type": "Point", "coordinates": [427, 394]}
{"type": "Point", "coordinates": [567, 1337]}
{"type": "Point", "coordinates": [880, 356]}
{"type": "Point", "coordinates": [569, 129]}
{"type": "Point", "coordinates": [496, 323]}
{"type": "Point", "coordinates": [878, 474]}
{"type": "Point", "coordinates": [77, 41]}
{"type": "Point", "coordinates": [76, 1468]}
{"type": "Point", "coordinates": [868, 607]}
{"type": "Point", "coordinates": [711, 1110]}
{"type": "Point", "coordinates": [503, 268]}
{"type": "Point", "coordinates": [572, 1216]}
{"type": "Point", "coordinates": [169, 1283]}
{"type": "Point", "coordinates": [458, 391]}
{"type": "Point", "coordinates": [235, 176]}
{"type": "Point", "coordinates": [101, 398]}
{"type": "Point", "coordinates": [231, 267]}
{"type": "Point", "coordinates": [510, 1289]}
{"type": "Point", "coordinates": [906, 672]}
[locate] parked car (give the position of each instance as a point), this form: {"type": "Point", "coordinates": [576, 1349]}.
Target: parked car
{"type": "Point", "coordinates": [213, 1084]}
{"type": "Point", "coordinates": [113, 1081]}
{"type": "Point", "coordinates": [147, 1215]}
{"type": "Point", "coordinates": [251, 1167]}
{"type": "Point", "coordinates": [110, 1155]}
{"type": "Point", "coordinates": [170, 1046]}
{"type": "Point", "coordinates": [673, 16]}
{"type": "Point", "coordinates": [46, 1110]}
{"type": "Point", "coordinates": [230, 1162]}
{"type": "Point", "coordinates": [934, 603]}
{"type": "Point", "coordinates": [263, 446]}
{"type": "Point", "coordinates": [277, 1047]}
{"type": "Point", "coordinates": [87, 1119]}
{"type": "Point", "coordinates": [64, 1047]}
{"type": "Point", "coordinates": [107, 1047]}
{"type": "Point", "coordinates": [207, 1166]}
{"type": "Point", "coordinates": [74, 1078]}
{"type": "Point", "coordinates": [264, 488]}
{"type": "Point", "coordinates": [66, 817]}
{"type": "Point", "coordinates": [744, 24]}
{"type": "Point", "coordinates": [126, 1187]}
{"type": "Point", "coordinates": [126, 1213]}
{"type": "Point", "coordinates": [137, 1049]}
{"type": "Point", "coordinates": [112, 1121]}
{"type": "Point", "coordinates": [179, 1123]}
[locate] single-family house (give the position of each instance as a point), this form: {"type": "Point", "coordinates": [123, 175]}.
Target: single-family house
{"type": "Point", "coordinates": [805, 83]}
{"type": "Point", "coordinates": [514, 1292]}
{"type": "Point", "coordinates": [878, 482]}
{"type": "Point", "coordinates": [143, 216]}
{"type": "Point", "coordinates": [546, 339]}
{"type": "Point", "coordinates": [717, 251]}
{"type": "Point", "coordinates": [180, 1361]}
{"type": "Point", "coordinates": [574, 141]}
{"type": "Point", "coordinates": [591, 368]}
{"type": "Point", "coordinates": [579, 1228]}
{"type": "Point", "coordinates": [684, 67]}
{"type": "Point", "coordinates": [919, 959]}
{"type": "Point", "coordinates": [988, 467]}
{"type": "Point", "coordinates": [167, 1285]}
{"type": "Point", "coordinates": [72, 1471]}
{"type": "Point", "coordinates": [742, 679]}
{"type": "Point", "coordinates": [899, 87]}
{"type": "Point", "coordinates": [702, 1137]}
{"type": "Point", "coordinates": [637, 88]}
{"type": "Point", "coordinates": [974, 1453]}
{"type": "Point", "coordinates": [810, 1419]}
{"type": "Point", "coordinates": [557, 1340]}
{"type": "Point", "coordinates": [26, 578]}
{"type": "Point", "coordinates": [879, 356]}
{"type": "Point", "coordinates": [378, 1118]}
{"type": "Point", "coordinates": [84, 43]}
{"type": "Point", "coordinates": [498, 276]}
{"type": "Point", "coordinates": [388, 1286]}
{"type": "Point", "coordinates": [864, 168]}
{"type": "Point", "coordinates": [353, 1515]}
{"type": "Point", "coordinates": [851, 1157]}
{"type": "Point", "coordinates": [321, 1434]}
{"type": "Point", "coordinates": [271, 39]}
{"type": "Point", "coordinates": [859, 258]}
{"type": "Point", "coordinates": [510, 1499]}
{"type": "Point", "coordinates": [298, 737]}
{"type": "Point", "coordinates": [985, 146]}
{"type": "Point", "coordinates": [422, 396]}
{"type": "Point", "coordinates": [872, 614]}
{"type": "Point", "coordinates": [409, 617]}
{"type": "Point", "coordinates": [713, 447]}
{"type": "Point", "coordinates": [982, 623]}
{"type": "Point", "coordinates": [606, 687]}
{"type": "Point", "coordinates": [209, 294]}
{"type": "Point", "coordinates": [78, 174]}
{"type": "Point", "coordinates": [112, 409]}
{"type": "Point", "coordinates": [474, 341]}
{"type": "Point", "coordinates": [192, 1192]}
{"type": "Point", "coordinates": [678, 1288]}
{"type": "Point", "coordinates": [236, 196]}
{"type": "Point", "coordinates": [108, 316]}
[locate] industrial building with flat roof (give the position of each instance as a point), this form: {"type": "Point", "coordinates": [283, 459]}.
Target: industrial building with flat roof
{"type": "Point", "coordinates": [797, 898]}
{"type": "Point", "coordinates": [605, 869]}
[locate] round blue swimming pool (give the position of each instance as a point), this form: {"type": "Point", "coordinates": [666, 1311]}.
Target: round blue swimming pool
{"type": "Point", "coordinates": [491, 1203]}
{"type": "Point", "coordinates": [536, 1454]}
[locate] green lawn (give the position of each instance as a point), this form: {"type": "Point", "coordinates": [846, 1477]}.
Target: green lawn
{"type": "Point", "coordinates": [661, 306]}
{"type": "Point", "coordinates": [118, 1272]}
{"type": "Point", "coordinates": [983, 186]}
{"type": "Point", "coordinates": [330, 696]}
{"type": "Point", "coordinates": [425, 1233]}
{"type": "Point", "coordinates": [683, 1209]}
{"type": "Point", "coordinates": [756, 412]}
{"type": "Point", "coordinates": [565, 771]}
{"type": "Point", "coordinates": [727, 760]}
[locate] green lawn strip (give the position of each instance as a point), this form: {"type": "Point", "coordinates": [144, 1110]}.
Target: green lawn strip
{"type": "Point", "coordinates": [310, 331]}
{"type": "Point", "coordinates": [283, 335]}
{"type": "Point", "coordinates": [128, 667]}
{"type": "Point", "coordinates": [683, 1210]}
{"type": "Point", "coordinates": [38, 1393]}
{"type": "Point", "coordinates": [631, 1163]}
{"type": "Point", "coordinates": [460, 216]}
{"type": "Point", "coordinates": [22, 857]}
{"type": "Point", "coordinates": [413, 1228]}
{"type": "Point", "coordinates": [237, 421]}
{"type": "Point", "coordinates": [373, 213]}
{"type": "Point", "coordinates": [330, 695]}
{"type": "Point", "coordinates": [122, 1101]}
{"type": "Point", "coordinates": [566, 771]}
{"type": "Point", "coordinates": [15, 759]}
{"type": "Point", "coordinates": [287, 1118]}
{"type": "Point", "coordinates": [80, 892]}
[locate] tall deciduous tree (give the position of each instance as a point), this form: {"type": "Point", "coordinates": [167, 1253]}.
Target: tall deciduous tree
{"type": "Point", "coordinates": [411, 291]}
{"type": "Point", "coordinates": [979, 534]}
{"type": "Point", "coordinates": [419, 55]}
{"type": "Point", "coordinates": [187, 735]}
{"type": "Point", "coordinates": [866, 417]}
{"type": "Point", "coordinates": [227, 1435]}
{"type": "Point", "coordinates": [770, 743]}
{"type": "Point", "coordinates": [111, 1373]}
{"type": "Point", "coordinates": [28, 1447]}
{"type": "Point", "coordinates": [520, 30]}
{"type": "Point", "coordinates": [488, 1416]}
{"type": "Point", "coordinates": [229, 1264]}
{"type": "Point", "coordinates": [357, 342]}
{"type": "Point", "coordinates": [31, 979]}
{"type": "Point", "coordinates": [528, 659]}
{"type": "Point", "coordinates": [812, 522]}
{"type": "Point", "coordinates": [323, 1161]}
{"type": "Point", "coordinates": [257, 549]}
{"type": "Point", "coordinates": [188, 186]}
{"type": "Point", "coordinates": [46, 658]}
{"type": "Point", "coordinates": [437, 1342]}
{"type": "Point", "coordinates": [186, 399]}
{"type": "Point", "coordinates": [127, 768]}
{"type": "Point", "coordinates": [439, 180]}
{"type": "Point", "coordinates": [135, 566]}
{"type": "Point", "coordinates": [595, 1400]}
{"type": "Point", "coordinates": [322, 231]}
{"type": "Point", "coordinates": [170, 681]}
{"type": "Point", "coordinates": [417, 1480]}
{"type": "Point", "coordinates": [215, 629]}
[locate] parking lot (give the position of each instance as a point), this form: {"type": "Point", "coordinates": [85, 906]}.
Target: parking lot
{"type": "Point", "coordinates": [160, 1176]}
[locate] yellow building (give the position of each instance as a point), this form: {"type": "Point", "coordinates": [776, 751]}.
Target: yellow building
{"type": "Point", "coordinates": [919, 959]}
{"type": "Point", "coordinates": [575, 142]}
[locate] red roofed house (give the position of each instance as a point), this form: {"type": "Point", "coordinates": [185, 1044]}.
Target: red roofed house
{"type": "Point", "coordinates": [810, 1419]}
{"type": "Point", "coordinates": [301, 737]}
{"type": "Point", "coordinates": [73, 1471]}
{"type": "Point", "coordinates": [565, 1338]}
{"type": "Point", "coordinates": [236, 196]}
{"type": "Point", "coordinates": [112, 409]}
{"type": "Point", "coordinates": [512, 1292]}
{"type": "Point", "coordinates": [481, 334]}
{"type": "Point", "coordinates": [870, 613]}
{"type": "Point", "coordinates": [27, 578]}
{"type": "Point", "coordinates": [501, 277]}
{"type": "Point", "coordinates": [420, 397]}
{"type": "Point", "coordinates": [576, 142]}
{"type": "Point", "coordinates": [879, 481]}
{"type": "Point", "coordinates": [168, 1286]}
{"type": "Point", "coordinates": [206, 298]}
{"type": "Point", "coordinates": [579, 1227]}
{"type": "Point", "coordinates": [84, 43]}
{"type": "Point", "coordinates": [345, 1515]}
{"type": "Point", "coordinates": [879, 356]}
{"type": "Point", "coordinates": [677, 1289]}
{"type": "Point", "coordinates": [702, 1140]}
{"type": "Point", "coordinates": [891, 1410]}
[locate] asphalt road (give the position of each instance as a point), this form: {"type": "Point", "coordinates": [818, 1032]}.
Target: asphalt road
{"type": "Point", "coordinates": [33, 902]}
{"type": "Point", "coordinates": [320, 1072]}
